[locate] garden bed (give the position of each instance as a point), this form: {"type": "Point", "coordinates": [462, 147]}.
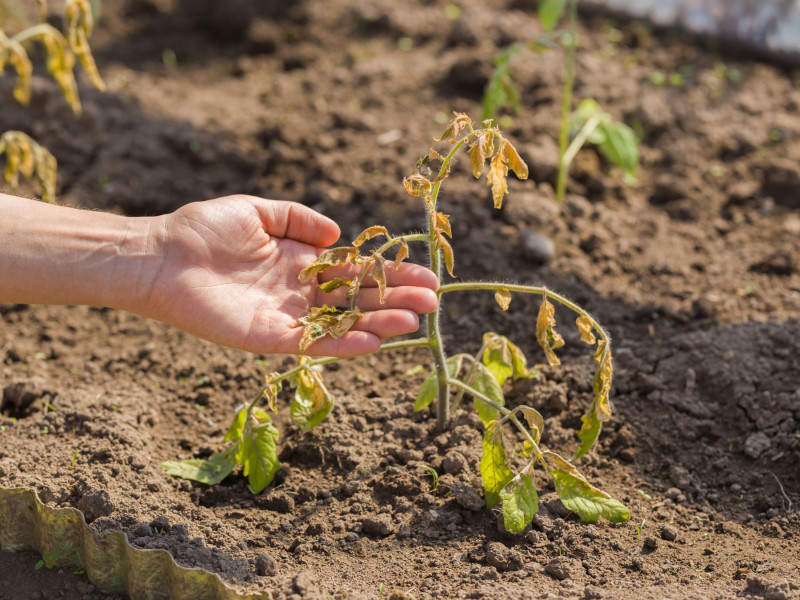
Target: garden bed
{"type": "Point", "coordinates": [694, 271]}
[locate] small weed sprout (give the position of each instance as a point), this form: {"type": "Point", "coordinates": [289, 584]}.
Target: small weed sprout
{"type": "Point", "coordinates": [23, 154]}
{"type": "Point", "coordinates": [616, 141]}
{"type": "Point", "coordinates": [453, 378]}
{"type": "Point", "coordinates": [434, 477]}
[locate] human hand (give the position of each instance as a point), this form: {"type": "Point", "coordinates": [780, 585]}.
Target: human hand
{"type": "Point", "coordinates": [229, 274]}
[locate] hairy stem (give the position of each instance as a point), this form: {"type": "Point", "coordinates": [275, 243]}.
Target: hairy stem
{"type": "Point", "coordinates": [566, 102]}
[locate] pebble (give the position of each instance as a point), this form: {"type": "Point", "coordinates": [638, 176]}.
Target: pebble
{"type": "Point", "coordinates": [756, 444]}
{"type": "Point", "coordinates": [536, 247]}
{"type": "Point", "coordinates": [669, 533]}
{"type": "Point", "coordinates": [650, 543]}
{"type": "Point", "coordinates": [502, 558]}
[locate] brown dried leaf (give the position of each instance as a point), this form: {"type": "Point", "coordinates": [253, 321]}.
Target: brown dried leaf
{"type": "Point", "coordinates": [442, 224]}
{"type": "Point", "coordinates": [326, 320]}
{"type": "Point", "coordinates": [378, 273]}
{"type": "Point", "coordinates": [585, 326]}
{"type": "Point", "coordinates": [515, 163]}
{"type": "Point", "coordinates": [496, 178]}
{"type": "Point", "coordinates": [331, 285]}
{"type": "Point", "coordinates": [330, 258]}
{"type": "Point", "coordinates": [503, 298]}
{"type": "Point", "coordinates": [401, 255]}
{"type": "Point", "coordinates": [459, 122]}
{"type": "Point", "coordinates": [417, 185]}
{"type": "Point", "coordinates": [369, 233]}
{"type": "Point", "coordinates": [477, 156]}
{"type": "Point", "coordinates": [549, 339]}
{"type": "Point", "coordinates": [447, 249]}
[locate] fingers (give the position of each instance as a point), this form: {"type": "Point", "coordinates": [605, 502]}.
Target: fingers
{"type": "Point", "coordinates": [417, 299]}
{"type": "Point", "coordinates": [408, 274]}
{"type": "Point", "coordinates": [365, 336]}
{"type": "Point", "coordinates": [294, 221]}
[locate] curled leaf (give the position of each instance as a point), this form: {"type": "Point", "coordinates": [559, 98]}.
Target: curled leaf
{"type": "Point", "coordinates": [496, 179]}
{"type": "Point", "coordinates": [477, 156]}
{"type": "Point", "coordinates": [503, 298]}
{"type": "Point", "coordinates": [401, 255]}
{"type": "Point", "coordinates": [459, 122]}
{"type": "Point", "coordinates": [515, 163]}
{"type": "Point", "coordinates": [483, 381]}
{"type": "Point", "coordinates": [549, 339]}
{"type": "Point", "coordinates": [323, 321]}
{"type": "Point", "coordinates": [333, 284]}
{"type": "Point", "coordinates": [585, 326]}
{"type": "Point", "coordinates": [504, 359]}
{"type": "Point", "coordinates": [369, 233]}
{"type": "Point", "coordinates": [378, 273]}
{"type": "Point", "coordinates": [599, 411]}
{"type": "Point", "coordinates": [24, 155]}
{"type": "Point", "coordinates": [534, 419]}
{"type": "Point", "coordinates": [447, 249]}
{"type": "Point", "coordinates": [78, 26]}
{"type": "Point", "coordinates": [579, 496]}
{"type": "Point", "coordinates": [495, 473]}
{"type": "Point", "coordinates": [417, 185]}
{"type": "Point", "coordinates": [14, 53]}
{"type": "Point", "coordinates": [330, 258]}
{"type": "Point", "coordinates": [270, 392]}
{"type": "Point", "coordinates": [442, 224]}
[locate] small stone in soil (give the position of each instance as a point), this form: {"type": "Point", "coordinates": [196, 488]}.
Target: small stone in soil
{"type": "Point", "coordinates": [650, 543]}
{"type": "Point", "coordinates": [266, 565]}
{"type": "Point", "coordinates": [381, 525]}
{"type": "Point", "coordinates": [535, 247]}
{"type": "Point", "coordinates": [669, 533]}
{"type": "Point", "coordinates": [756, 444]}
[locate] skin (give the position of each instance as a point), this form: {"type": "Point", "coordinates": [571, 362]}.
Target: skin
{"type": "Point", "coordinates": [224, 270]}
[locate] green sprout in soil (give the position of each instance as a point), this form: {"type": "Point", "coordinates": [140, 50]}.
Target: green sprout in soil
{"type": "Point", "coordinates": [23, 154]}
{"type": "Point", "coordinates": [616, 141]}
{"type": "Point", "coordinates": [453, 377]}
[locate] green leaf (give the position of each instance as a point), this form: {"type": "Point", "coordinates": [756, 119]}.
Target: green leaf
{"type": "Point", "coordinates": [430, 387]}
{"type": "Point", "coordinates": [239, 418]}
{"type": "Point", "coordinates": [260, 453]}
{"type": "Point", "coordinates": [551, 12]}
{"type": "Point", "coordinates": [504, 359]}
{"type": "Point", "coordinates": [495, 473]}
{"type": "Point", "coordinates": [484, 382]}
{"type": "Point", "coordinates": [620, 146]}
{"type": "Point", "coordinates": [312, 400]}
{"type": "Point", "coordinates": [579, 496]}
{"type": "Point", "coordinates": [590, 431]}
{"type": "Point", "coordinates": [520, 502]}
{"type": "Point", "coordinates": [210, 472]}
{"type": "Point", "coordinates": [534, 419]}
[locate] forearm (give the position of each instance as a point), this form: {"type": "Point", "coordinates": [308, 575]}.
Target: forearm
{"type": "Point", "coordinates": [58, 255]}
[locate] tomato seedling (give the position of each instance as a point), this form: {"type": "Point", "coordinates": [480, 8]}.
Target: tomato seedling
{"type": "Point", "coordinates": [454, 377]}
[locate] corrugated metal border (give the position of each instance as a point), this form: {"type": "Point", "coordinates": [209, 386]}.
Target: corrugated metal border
{"type": "Point", "coordinates": [108, 560]}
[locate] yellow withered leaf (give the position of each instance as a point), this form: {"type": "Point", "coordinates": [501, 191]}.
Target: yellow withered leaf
{"type": "Point", "coordinates": [22, 65]}
{"type": "Point", "coordinates": [447, 249]}
{"type": "Point", "coordinates": [79, 25]}
{"type": "Point", "coordinates": [477, 156]}
{"type": "Point", "coordinates": [330, 258]}
{"type": "Point", "coordinates": [326, 320]}
{"type": "Point", "coordinates": [333, 284]}
{"type": "Point", "coordinates": [496, 178]}
{"type": "Point", "coordinates": [24, 155]}
{"type": "Point", "coordinates": [515, 163]}
{"type": "Point", "coordinates": [271, 391]}
{"type": "Point", "coordinates": [401, 255]}
{"type": "Point", "coordinates": [503, 298]}
{"type": "Point", "coordinates": [369, 233]}
{"type": "Point", "coordinates": [60, 64]}
{"type": "Point", "coordinates": [459, 122]}
{"type": "Point", "coordinates": [378, 273]}
{"type": "Point", "coordinates": [549, 339]}
{"type": "Point", "coordinates": [442, 223]}
{"type": "Point", "coordinates": [585, 327]}
{"type": "Point", "coordinates": [417, 185]}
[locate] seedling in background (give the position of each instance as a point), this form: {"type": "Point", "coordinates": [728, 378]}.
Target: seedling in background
{"type": "Point", "coordinates": [480, 377]}
{"type": "Point", "coordinates": [23, 154]}
{"type": "Point", "coordinates": [588, 124]}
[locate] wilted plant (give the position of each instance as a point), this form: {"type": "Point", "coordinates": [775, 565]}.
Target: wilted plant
{"type": "Point", "coordinates": [615, 140]}
{"type": "Point", "coordinates": [481, 377]}
{"type": "Point", "coordinates": [23, 154]}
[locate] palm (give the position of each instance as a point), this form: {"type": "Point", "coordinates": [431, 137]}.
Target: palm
{"type": "Point", "coordinates": [230, 275]}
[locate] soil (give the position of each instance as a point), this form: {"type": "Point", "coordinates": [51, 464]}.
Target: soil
{"type": "Point", "coordinates": [694, 270]}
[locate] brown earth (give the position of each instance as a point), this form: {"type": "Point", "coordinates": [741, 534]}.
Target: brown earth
{"type": "Point", "coordinates": [694, 270]}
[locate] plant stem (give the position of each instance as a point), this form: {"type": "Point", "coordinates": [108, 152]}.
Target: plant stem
{"type": "Point", "coordinates": [578, 141]}
{"type": "Point", "coordinates": [432, 320]}
{"type": "Point", "coordinates": [566, 102]}
{"type": "Point", "coordinates": [42, 29]}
